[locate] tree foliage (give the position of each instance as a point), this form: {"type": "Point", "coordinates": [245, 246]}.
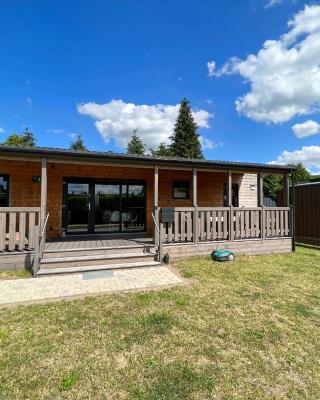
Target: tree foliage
{"type": "Point", "coordinates": [78, 144]}
{"type": "Point", "coordinates": [136, 145]}
{"type": "Point", "coordinates": [25, 139]}
{"type": "Point", "coordinates": [185, 139]}
{"type": "Point", "coordinates": [272, 184]}
{"type": "Point", "coordinates": [301, 174]}
{"type": "Point", "coordinates": [162, 150]}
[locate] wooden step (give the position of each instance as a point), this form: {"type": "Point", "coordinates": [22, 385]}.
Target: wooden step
{"type": "Point", "coordinates": [98, 251]}
{"type": "Point", "coordinates": [78, 261]}
{"type": "Point", "coordinates": [88, 268]}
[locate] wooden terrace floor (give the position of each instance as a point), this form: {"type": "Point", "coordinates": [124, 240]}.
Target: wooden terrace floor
{"type": "Point", "coordinates": [90, 242]}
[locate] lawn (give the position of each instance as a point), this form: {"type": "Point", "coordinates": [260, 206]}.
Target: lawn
{"type": "Point", "coordinates": [243, 330]}
{"type": "Point", "coordinates": [15, 274]}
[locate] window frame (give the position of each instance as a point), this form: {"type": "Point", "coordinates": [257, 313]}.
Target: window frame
{"type": "Point", "coordinates": [7, 177]}
{"type": "Point", "coordinates": [181, 184]}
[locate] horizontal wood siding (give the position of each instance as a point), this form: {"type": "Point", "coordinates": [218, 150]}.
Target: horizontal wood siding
{"type": "Point", "coordinates": [248, 190]}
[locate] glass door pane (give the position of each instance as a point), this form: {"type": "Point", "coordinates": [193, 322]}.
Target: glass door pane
{"type": "Point", "coordinates": [107, 208]}
{"type": "Point", "coordinates": [133, 208]}
{"type": "Point", "coordinates": [78, 199]}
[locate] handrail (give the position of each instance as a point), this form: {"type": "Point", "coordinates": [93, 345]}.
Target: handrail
{"type": "Point", "coordinates": [45, 225]}
{"type": "Point", "coordinates": [160, 256]}
{"type": "Point", "coordinates": [155, 222]}
{"type": "Point", "coordinates": [39, 246]}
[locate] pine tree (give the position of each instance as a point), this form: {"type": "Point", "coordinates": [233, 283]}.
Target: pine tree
{"type": "Point", "coordinates": [78, 144]}
{"type": "Point", "coordinates": [162, 150]}
{"type": "Point", "coordinates": [272, 184]}
{"type": "Point", "coordinates": [301, 174]}
{"type": "Point", "coordinates": [25, 139]}
{"type": "Point", "coordinates": [136, 145]}
{"type": "Point", "coordinates": [185, 139]}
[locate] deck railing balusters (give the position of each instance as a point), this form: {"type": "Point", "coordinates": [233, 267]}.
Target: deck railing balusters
{"type": "Point", "coordinates": [203, 224]}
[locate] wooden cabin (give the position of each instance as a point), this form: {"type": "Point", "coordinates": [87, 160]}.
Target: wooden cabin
{"type": "Point", "coordinates": [63, 209]}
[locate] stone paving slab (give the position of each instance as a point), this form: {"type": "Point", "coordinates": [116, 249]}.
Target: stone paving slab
{"type": "Point", "coordinates": [17, 291]}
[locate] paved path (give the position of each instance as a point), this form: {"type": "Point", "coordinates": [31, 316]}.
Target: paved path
{"type": "Point", "coordinates": [46, 288]}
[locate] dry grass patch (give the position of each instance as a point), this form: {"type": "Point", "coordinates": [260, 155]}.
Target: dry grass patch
{"type": "Point", "coordinates": [15, 274]}
{"type": "Point", "coordinates": [247, 329]}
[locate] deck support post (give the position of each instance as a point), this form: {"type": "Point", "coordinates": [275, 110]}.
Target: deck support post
{"type": "Point", "coordinates": [292, 206]}
{"type": "Point", "coordinates": [156, 233]}
{"type": "Point", "coordinates": [230, 205]}
{"type": "Point", "coordinates": [286, 195]}
{"type": "Point", "coordinates": [44, 188]}
{"type": "Point", "coordinates": [261, 204]}
{"type": "Point", "coordinates": [195, 204]}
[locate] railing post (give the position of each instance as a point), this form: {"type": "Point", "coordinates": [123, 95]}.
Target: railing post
{"type": "Point", "coordinates": [36, 255]}
{"type": "Point", "coordinates": [292, 219]}
{"type": "Point", "coordinates": [195, 205]}
{"type": "Point", "coordinates": [195, 225]}
{"type": "Point", "coordinates": [231, 232]}
{"type": "Point", "coordinates": [160, 247]}
{"type": "Point", "coordinates": [156, 202]}
{"type": "Point", "coordinates": [263, 223]}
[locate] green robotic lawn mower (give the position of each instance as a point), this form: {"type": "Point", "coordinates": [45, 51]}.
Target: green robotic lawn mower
{"type": "Point", "coordinates": [222, 255]}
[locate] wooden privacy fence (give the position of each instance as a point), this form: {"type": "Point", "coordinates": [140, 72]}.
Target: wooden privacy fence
{"type": "Point", "coordinates": [199, 224]}
{"type": "Point", "coordinates": [17, 228]}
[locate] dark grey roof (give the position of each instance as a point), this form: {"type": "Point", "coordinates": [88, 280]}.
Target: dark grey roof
{"type": "Point", "coordinates": [307, 184]}
{"type": "Point", "coordinates": [51, 151]}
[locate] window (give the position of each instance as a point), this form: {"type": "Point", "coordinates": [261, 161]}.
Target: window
{"type": "Point", "coordinates": [235, 195]}
{"type": "Point", "coordinates": [180, 190]}
{"type": "Point", "coordinates": [4, 191]}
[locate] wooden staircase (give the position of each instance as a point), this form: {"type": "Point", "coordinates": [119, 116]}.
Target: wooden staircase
{"type": "Point", "coordinates": [79, 260]}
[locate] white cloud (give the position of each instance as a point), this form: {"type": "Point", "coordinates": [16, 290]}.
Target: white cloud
{"type": "Point", "coordinates": [72, 135]}
{"type": "Point", "coordinates": [54, 130]}
{"type": "Point", "coordinates": [308, 155]}
{"type": "Point", "coordinates": [2, 130]}
{"type": "Point", "coordinates": [117, 120]}
{"type": "Point", "coordinates": [305, 129]}
{"type": "Point", "coordinates": [284, 76]}
{"type": "Point", "coordinates": [207, 143]}
{"type": "Point", "coordinates": [212, 68]}
{"type": "Point", "coordinates": [272, 3]}
{"type": "Point", "coordinates": [29, 100]}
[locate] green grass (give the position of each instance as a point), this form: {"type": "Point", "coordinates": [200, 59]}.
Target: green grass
{"type": "Point", "coordinates": [243, 330]}
{"type": "Point", "coordinates": [15, 274]}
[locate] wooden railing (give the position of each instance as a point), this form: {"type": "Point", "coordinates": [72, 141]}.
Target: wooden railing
{"type": "Point", "coordinates": [17, 228]}
{"type": "Point", "coordinates": [199, 224]}
{"type": "Point", "coordinates": [40, 240]}
{"type": "Point", "coordinates": [277, 221]}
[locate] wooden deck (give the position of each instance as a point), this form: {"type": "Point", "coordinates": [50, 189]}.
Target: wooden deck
{"type": "Point", "coordinates": [87, 242]}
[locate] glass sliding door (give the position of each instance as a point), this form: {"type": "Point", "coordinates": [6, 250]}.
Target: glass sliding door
{"type": "Point", "coordinates": [107, 208]}
{"type": "Point", "coordinates": [96, 206]}
{"type": "Point", "coordinates": [78, 207]}
{"type": "Point", "coordinates": [133, 207]}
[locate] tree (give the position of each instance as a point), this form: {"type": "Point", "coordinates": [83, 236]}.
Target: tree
{"type": "Point", "coordinates": [162, 150]}
{"type": "Point", "coordinates": [272, 184]}
{"type": "Point", "coordinates": [78, 144]}
{"type": "Point", "coordinates": [25, 139]}
{"type": "Point", "coordinates": [185, 139]}
{"type": "Point", "coordinates": [301, 174]}
{"type": "Point", "coordinates": [136, 145]}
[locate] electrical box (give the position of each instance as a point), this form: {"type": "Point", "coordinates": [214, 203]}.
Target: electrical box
{"type": "Point", "coordinates": [167, 214]}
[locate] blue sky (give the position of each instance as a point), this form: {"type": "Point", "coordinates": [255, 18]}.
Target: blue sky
{"type": "Point", "coordinates": [104, 68]}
